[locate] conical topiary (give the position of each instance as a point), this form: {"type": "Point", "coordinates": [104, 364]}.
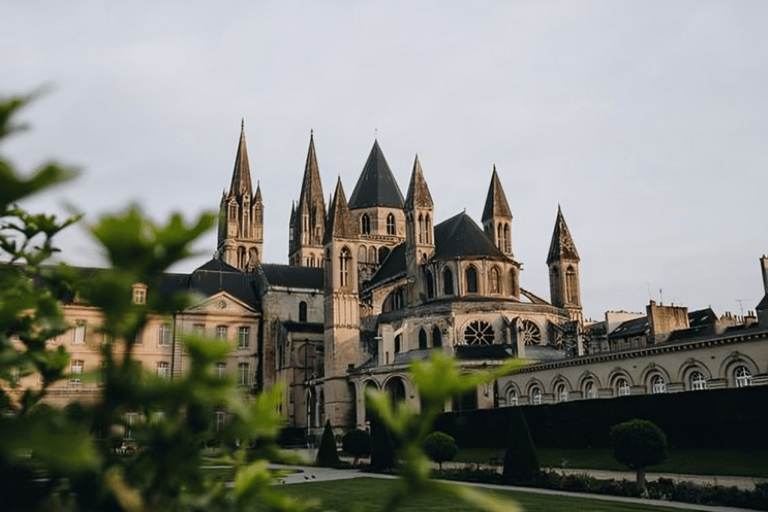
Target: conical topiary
{"type": "Point", "coordinates": [520, 462]}
{"type": "Point", "coordinates": [382, 446]}
{"type": "Point", "coordinates": [327, 455]}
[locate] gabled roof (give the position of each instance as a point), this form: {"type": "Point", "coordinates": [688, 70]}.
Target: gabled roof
{"type": "Point", "coordinates": [496, 204]}
{"type": "Point", "coordinates": [392, 266]}
{"type": "Point", "coordinates": [241, 175]}
{"type": "Point", "coordinates": [292, 277]}
{"type": "Point", "coordinates": [339, 223]}
{"type": "Point", "coordinates": [459, 236]}
{"type": "Point", "coordinates": [376, 185]}
{"type": "Point", "coordinates": [418, 191]}
{"type": "Point", "coordinates": [562, 246]}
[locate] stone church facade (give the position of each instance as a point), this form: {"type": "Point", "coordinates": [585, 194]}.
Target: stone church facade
{"type": "Point", "coordinates": [374, 283]}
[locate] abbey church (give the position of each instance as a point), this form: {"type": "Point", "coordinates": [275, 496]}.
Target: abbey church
{"type": "Point", "coordinates": [373, 282]}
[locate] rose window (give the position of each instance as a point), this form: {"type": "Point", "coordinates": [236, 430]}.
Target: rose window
{"type": "Point", "coordinates": [530, 333]}
{"type": "Point", "coordinates": [478, 333]}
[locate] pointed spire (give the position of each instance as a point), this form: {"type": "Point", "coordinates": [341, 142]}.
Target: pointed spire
{"type": "Point", "coordinates": [241, 175]}
{"type": "Point", "coordinates": [311, 196]}
{"type": "Point", "coordinates": [376, 185]}
{"type": "Point", "coordinates": [418, 191]}
{"type": "Point", "coordinates": [496, 204]}
{"type": "Point", "coordinates": [562, 246]}
{"type": "Point", "coordinates": [339, 218]}
{"type": "Point", "coordinates": [257, 196]}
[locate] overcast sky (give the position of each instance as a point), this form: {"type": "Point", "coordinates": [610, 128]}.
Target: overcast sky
{"type": "Point", "coordinates": [646, 121]}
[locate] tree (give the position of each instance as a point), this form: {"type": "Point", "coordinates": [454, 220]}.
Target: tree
{"type": "Point", "coordinates": [382, 445]}
{"type": "Point", "coordinates": [638, 444]}
{"type": "Point", "coordinates": [440, 447]}
{"type": "Point", "coordinates": [328, 455]}
{"type": "Point", "coordinates": [520, 460]}
{"type": "Point", "coordinates": [357, 443]}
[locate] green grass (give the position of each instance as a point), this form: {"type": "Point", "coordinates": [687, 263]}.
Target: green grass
{"type": "Point", "coordinates": [692, 462]}
{"type": "Point", "coordinates": [363, 494]}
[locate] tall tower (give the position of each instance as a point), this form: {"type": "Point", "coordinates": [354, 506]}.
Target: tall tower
{"type": "Point", "coordinates": [563, 261]}
{"type": "Point", "coordinates": [307, 227]}
{"type": "Point", "coordinates": [241, 216]}
{"type": "Point", "coordinates": [419, 234]}
{"type": "Point", "coordinates": [497, 217]}
{"type": "Point", "coordinates": [342, 307]}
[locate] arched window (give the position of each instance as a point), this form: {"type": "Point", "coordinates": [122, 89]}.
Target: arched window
{"type": "Point", "coordinates": [372, 255]}
{"type": "Point", "coordinates": [437, 337]}
{"type": "Point", "coordinates": [365, 222]}
{"type": "Point", "coordinates": [362, 254]}
{"type": "Point", "coordinates": [421, 229]}
{"type": "Point", "coordinates": [658, 385]}
{"type": "Point", "coordinates": [742, 376]}
{"type": "Point", "coordinates": [572, 286]}
{"type": "Point", "coordinates": [447, 282]}
{"type": "Point", "coordinates": [554, 285]}
{"type": "Point", "coordinates": [398, 343]}
{"type": "Point", "coordinates": [479, 333]}
{"type": "Point", "coordinates": [302, 311]}
{"type": "Point", "coordinates": [430, 284]}
{"type": "Point", "coordinates": [471, 277]}
{"type": "Point", "coordinates": [422, 339]}
{"type": "Point", "coordinates": [390, 224]}
{"type": "Point", "coordinates": [512, 399]}
{"type": "Point", "coordinates": [344, 258]}
{"type": "Point", "coordinates": [561, 392]}
{"type": "Point", "coordinates": [590, 390]}
{"type": "Point", "coordinates": [512, 282]}
{"type": "Point", "coordinates": [232, 211]}
{"type": "Point", "coordinates": [428, 229]}
{"type": "Point", "coordinates": [536, 395]}
{"type": "Point", "coordinates": [396, 389]}
{"type": "Point", "coordinates": [507, 239]}
{"type": "Point", "coordinates": [698, 381]}
{"type": "Point", "coordinates": [622, 387]}
{"type": "Point", "coordinates": [494, 279]}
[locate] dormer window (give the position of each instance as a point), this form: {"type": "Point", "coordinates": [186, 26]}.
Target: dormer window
{"type": "Point", "coordinates": [139, 294]}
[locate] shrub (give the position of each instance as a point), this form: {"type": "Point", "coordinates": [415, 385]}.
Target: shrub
{"type": "Point", "coordinates": [382, 446]}
{"type": "Point", "coordinates": [327, 455]}
{"type": "Point", "coordinates": [638, 444]}
{"type": "Point", "coordinates": [440, 447]}
{"type": "Point", "coordinates": [520, 460]}
{"type": "Point", "coordinates": [357, 443]}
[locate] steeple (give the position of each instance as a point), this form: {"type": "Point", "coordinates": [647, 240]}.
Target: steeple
{"type": "Point", "coordinates": [419, 236]}
{"type": "Point", "coordinates": [563, 261]}
{"type": "Point", "coordinates": [376, 185]}
{"type": "Point", "coordinates": [339, 223]}
{"type": "Point", "coordinates": [418, 192]}
{"type": "Point", "coordinates": [497, 217]}
{"type": "Point", "coordinates": [308, 224]}
{"type": "Point", "coordinates": [241, 221]}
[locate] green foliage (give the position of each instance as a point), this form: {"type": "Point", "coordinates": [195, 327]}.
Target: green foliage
{"type": "Point", "coordinates": [520, 460]}
{"type": "Point", "coordinates": [638, 444]}
{"type": "Point", "coordinates": [327, 455]}
{"type": "Point", "coordinates": [357, 443]}
{"type": "Point", "coordinates": [440, 447]}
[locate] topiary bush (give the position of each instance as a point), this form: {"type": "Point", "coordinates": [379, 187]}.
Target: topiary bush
{"type": "Point", "coordinates": [440, 447]}
{"type": "Point", "coordinates": [520, 461]}
{"type": "Point", "coordinates": [357, 443]}
{"type": "Point", "coordinates": [638, 444]}
{"type": "Point", "coordinates": [327, 455]}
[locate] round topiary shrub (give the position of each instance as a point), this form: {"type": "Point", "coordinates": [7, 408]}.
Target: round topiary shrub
{"type": "Point", "coordinates": [440, 447]}
{"type": "Point", "coordinates": [357, 443]}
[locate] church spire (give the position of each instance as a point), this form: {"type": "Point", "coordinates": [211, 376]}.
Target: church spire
{"type": "Point", "coordinates": [241, 175]}
{"type": "Point", "coordinates": [562, 246]}
{"type": "Point", "coordinates": [339, 223]}
{"type": "Point", "coordinates": [497, 217]}
{"type": "Point", "coordinates": [563, 262]}
{"type": "Point", "coordinates": [307, 227]}
{"type": "Point", "coordinates": [418, 191]}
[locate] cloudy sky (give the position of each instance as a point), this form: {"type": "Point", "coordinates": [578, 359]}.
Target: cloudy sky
{"type": "Point", "coordinates": [646, 121]}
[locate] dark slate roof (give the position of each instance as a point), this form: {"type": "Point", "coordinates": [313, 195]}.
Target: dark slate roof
{"type": "Point", "coordinates": [293, 277]}
{"type": "Point", "coordinates": [313, 327]}
{"type": "Point", "coordinates": [562, 246]}
{"type": "Point", "coordinates": [480, 352]}
{"type": "Point", "coordinates": [377, 185]}
{"type": "Point", "coordinates": [702, 317]}
{"type": "Point", "coordinates": [339, 222]}
{"type": "Point", "coordinates": [392, 266]}
{"type": "Point", "coordinates": [630, 328]}
{"type": "Point", "coordinates": [418, 191]}
{"type": "Point", "coordinates": [763, 303]}
{"type": "Point", "coordinates": [460, 237]}
{"type": "Point", "coordinates": [496, 204]}
{"type": "Point", "coordinates": [208, 280]}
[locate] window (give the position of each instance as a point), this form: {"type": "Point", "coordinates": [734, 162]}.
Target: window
{"type": "Point", "coordinates": [365, 222]}
{"type": "Point", "coordinates": [139, 295]}
{"type": "Point", "coordinates": [243, 370]}
{"type": "Point", "coordinates": [430, 284]}
{"type": "Point", "coordinates": [421, 229]}
{"type": "Point", "coordinates": [742, 376]}
{"type": "Point", "coordinates": [221, 332]}
{"type": "Point", "coordinates": [479, 333]}
{"type": "Point", "coordinates": [437, 337]}
{"type": "Point", "coordinates": [131, 418]}
{"type": "Point", "coordinates": [199, 329]}
{"type": "Point", "coordinates": [512, 283]}
{"type": "Point", "coordinates": [471, 277]}
{"type": "Point", "coordinates": [232, 211]}
{"type": "Point", "coordinates": [422, 339]}
{"type": "Point", "coordinates": [76, 370]}
{"type": "Point", "coordinates": [512, 399]}
{"type": "Point", "coordinates": [658, 385]}
{"type": "Point", "coordinates": [372, 255]}
{"type": "Point", "coordinates": [398, 343]}
{"type": "Point", "coordinates": [590, 391]}
{"type": "Point", "coordinates": [139, 339]}
{"type": "Point", "coordinates": [163, 369]}
{"type": "Point", "coordinates": [495, 280]}
{"type": "Point", "coordinates": [80, 332]}
{"type": "Point", "coordinates": [344, 258]}
{"type": "Point", "coordinates": [390, 224]}
{"type": "Point", "coordinates": [698, 381]}
{"type": "Point", "coordinates": [220, 419]}
{"type": "Point", "coordinates": [571, 286]}
{"type": "Point", "coordinates": [302, 311]}
{"type": "Point", "coordinates": [561, 392]}
{"type": "Point", "coordinates": [164, 336]}
{"type": "Point", "coordinates": [221, 369]}
{"type": "Point", "coordinates": [447, 282]}
{"type": "Point", "coordinates": [428, 230]}
{"type": "Point", "coordinates": [243, 337]}
{"type": "Point", "coordinates": [622, 387]}
{"type": "Point", "coordinates": [536, 396]}
{"type": "Point", "coordinates": [530, 333]}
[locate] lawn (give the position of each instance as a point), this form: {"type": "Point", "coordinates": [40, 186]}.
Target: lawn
{"type": "Point", "coordinates": [692, 462]}
{"type": "Point", "coordinates": [365, 493]}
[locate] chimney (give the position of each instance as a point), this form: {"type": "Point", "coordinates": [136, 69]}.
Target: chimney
{"type": "Point", "coordinates": [664, 320]}
{"type": "Point", "coordinates": [764, 268]}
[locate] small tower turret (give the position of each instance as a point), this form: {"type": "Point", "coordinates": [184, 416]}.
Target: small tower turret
{"type": "Point", "coordinates": [308, 220]}
{"type": "Point", "coordinates": [419, 234]}
{"type": "Point", "coordinates": [497, 217]}
{"type": "Point", "coordinates": [563, 261]}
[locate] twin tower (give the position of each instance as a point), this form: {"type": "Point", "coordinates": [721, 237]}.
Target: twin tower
{"type": "Point", "coordinates": [376, 217]}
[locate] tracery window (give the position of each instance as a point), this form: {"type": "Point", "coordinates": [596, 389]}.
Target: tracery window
{"type": "Point", "coordinates": [390, 224]}
{"type": "Point", "coordinates": [658, 385]}
{"type": "Point", "coordinates": [479, 333]}
{"type": "Point", "coordinates": [622, 387]}
{"type": "Point", "coordinates": [742, 376]}
{"type": "Point", "coordinates": [698, 381]}
{"type": "Point", "coordinates": [471, 277]}
{"type": "Point", "coordinates": [495, 280]}
{"type": "Point", "coordinates": [530, 333]}
{"type": "Point", "coordinates": [365, 220]}
{"type": "Point", "coordinates": [447, 282]}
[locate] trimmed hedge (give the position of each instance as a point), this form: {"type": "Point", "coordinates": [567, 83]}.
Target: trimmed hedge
{"type": "Point", "coordinates": [715, 419]}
